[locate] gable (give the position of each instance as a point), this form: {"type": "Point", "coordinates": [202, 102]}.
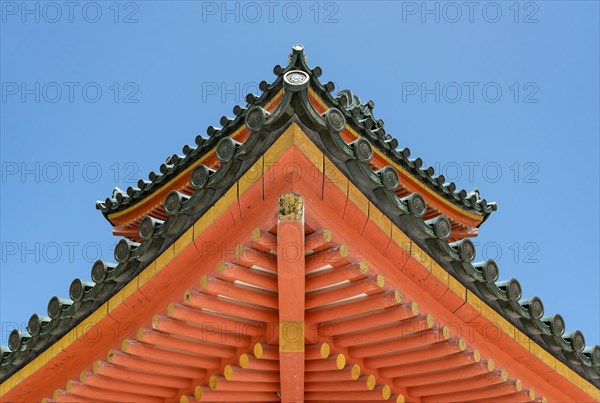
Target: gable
{"type": "Point", "coordinates": [407, 324]}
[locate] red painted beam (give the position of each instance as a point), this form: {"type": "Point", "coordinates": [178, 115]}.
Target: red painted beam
{"type": "Point", "coordinates": [373, 320]}
{"type": "Point", "coordinates": [238, 374]}
{"type": "Point", "coordinates": [223, 385]}
{"type": "Point", "coordinates": [370, 285]}
{"type": "Point", "coordinates": [418, 339]}
{"type": "Point", "coordinates": [263, 241]}
{"type": "Point", "coordinates": [328, 375]}
{"type": "Point", "coordinates": [364, 383]}
{"type": "Point", "coordinates": [148, 351]}
{"type": "Point", "coordinates": [99, 381]}
{"type": "Point", "coordinates": [130, 361]}
{"type": "Point", "coordinates": [326, 278]}
{"type": "Point", "coordinates": [248, 361]}
{"type": "Point", "coordinates": [437, 350]}
{"type": "Point", "coordinates": [458, 385]}
{"type": "Point", "coordinates": [495, 393]}
{"type": "Point", "coordinates": [205, 334]}
{"type": "Point", "coordinates": [448, 362]}
{"type": "Point", "coordinates": [232, 272]}
{"type": "Point", "coordinates": [249, 257]}
{"type": "Point", "coordinates": [377, 394]}
{"type": "Point", "coordinates": [291, 283]}
{"type": "Point", "coordinates": [93, 393]}
{"type": "Point", "coordinates": [402, 330]}
{"type": "Point", "coordinates": [355, 307]}
{"type": "Point", "coordinates": [205, 394]}
{"type": "Point", "coordinates": [337, 362]}
{"type": "Point", "coordinates": [328, 258]}
{"type": "Point", "coordinates": [180, 344]}
{"type": "Point", "coordinates": [214, 286]}
{"type": "Point", "coordinates": [132, 375]}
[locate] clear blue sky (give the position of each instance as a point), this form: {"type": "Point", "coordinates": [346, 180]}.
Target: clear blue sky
{"type": "Point", "coordinates": [501, 96]}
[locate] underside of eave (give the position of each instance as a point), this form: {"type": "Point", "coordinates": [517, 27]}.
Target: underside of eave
{"type": "Point", "coordinates": [212, 238]}
{"type": "Point", "coordinates": [367, 238]}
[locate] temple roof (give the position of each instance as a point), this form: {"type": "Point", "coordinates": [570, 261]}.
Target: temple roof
{"type": "Point", "coordinates": [208, 185]}
{"type": "Point", "coordinates": [358, 115]}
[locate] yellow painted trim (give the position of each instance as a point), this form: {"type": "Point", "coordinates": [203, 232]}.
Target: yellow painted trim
{"type": "Point", "coordinates": [291, 336]}
{"type": "Point", "coordinates": [147, 274]}
{"type": "Point", "coordinates": [335, 176]}
{"type": "Point", "coordinates": [280, 146]}
{"type": "Point", "coordinates": [92, 320]}
{"type": "Point", "coordinates": [311, 151]}
{"type": "Point", "coordinates": [204, 222]}
{"type": "Point", "coordinates": [569, 374]}
{"type": "Point", "coordinates": [225, 201]}
{"type": "Point", "coordinates": [402, 240]}
{"type": "Point", "coordinates": [183, 241]}
{"type": "Point", "coordinates": [474, 301]}
{"type": "Point", "coordinates": [163, 260]}
{"type": "Point", "coordinates": [521, 338]}
{"type": "Point", "coordinates": [380, 220]}
{"type": "Point", "coordinates": [358, 199]}
{"type": "Point", "coordinates": [494, 317]}
{"type": "Point", "coordinates": [591, 390]}
{"type": "Point", "coordinates": [456, 287]}
{"type": "Point", "coordinates": [252, 176]}
{"type": "Point", "coordinates": [543, 355]}
{"type": "Point", "coordinates": [421, 256]}
{"type": "Point", "coordinates": [438, 271]}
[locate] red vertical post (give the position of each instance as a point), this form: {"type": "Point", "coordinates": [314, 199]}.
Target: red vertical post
{"type": "Point", "coordinates": [291, 284]}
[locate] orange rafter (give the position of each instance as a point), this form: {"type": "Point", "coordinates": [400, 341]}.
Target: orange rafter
{"type": "Point", "coordinates": [189, 344]}
{"type": "Point", "coordinates": [254, 379]}
{"type": "Point", "coordinates": [125, 222]}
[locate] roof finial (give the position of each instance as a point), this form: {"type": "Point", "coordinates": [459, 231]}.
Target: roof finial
{"type": "Point", "coordinates": [298, 50]}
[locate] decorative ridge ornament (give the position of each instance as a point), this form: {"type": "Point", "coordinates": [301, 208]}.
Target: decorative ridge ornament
{"type": "Point", "coordinates": [296, 80]}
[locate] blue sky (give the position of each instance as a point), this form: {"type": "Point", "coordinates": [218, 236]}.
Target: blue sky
{"type": "Point", "coordinates": [502, 96]}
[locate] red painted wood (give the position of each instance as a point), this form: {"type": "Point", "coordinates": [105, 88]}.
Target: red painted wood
{"type": "Point", "coordinates": [291, 273]}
